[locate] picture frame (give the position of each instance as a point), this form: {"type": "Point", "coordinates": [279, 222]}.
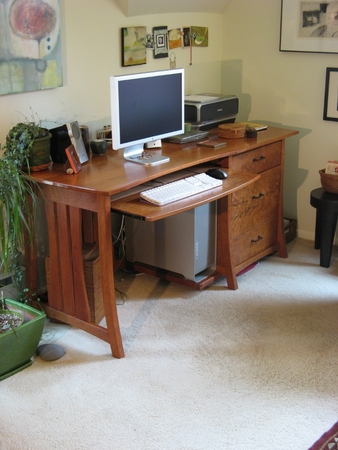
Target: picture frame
{"type": "Point", "coordinates": [331, 95]}
{"type": "Point", "coordinates": [150, 41]}
{"type": "Point", "coordinates": [186, 37]}
{"type": "Point", "coordinates": [307, 26]}
{"type": "Point", "coordinates": [30, 47]}
{"type": "Point", "coordinates": [199, 36]}
{"type": "Point", "coordinates": [133, 41]}
{"type": "Point", "coordinates": [161, 42]}
{"type": "Point", "coordinates": [73, 160]}
{"type": "Point", "coordinates": [175, 38]}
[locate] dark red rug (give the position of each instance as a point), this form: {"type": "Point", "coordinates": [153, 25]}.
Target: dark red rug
{"type": "Point", "coordinates": [329, 440]}
{"type": "Point", "coordinates": [252, 266]}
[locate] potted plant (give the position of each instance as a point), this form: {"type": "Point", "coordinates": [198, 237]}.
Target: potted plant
{"type": "Point", "coordinates": [20, 333]}
{"type": "Point", "coordinates": [28, 144]}
{"type": "Point", "coordinates": [17, 204]}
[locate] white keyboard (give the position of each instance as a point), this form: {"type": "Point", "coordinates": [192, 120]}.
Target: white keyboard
{"type": "Point", "coordinates": [177, 190]}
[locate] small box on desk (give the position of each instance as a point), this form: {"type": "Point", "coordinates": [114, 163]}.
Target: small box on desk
{"type": "Point", "coordinates": [91, 268]}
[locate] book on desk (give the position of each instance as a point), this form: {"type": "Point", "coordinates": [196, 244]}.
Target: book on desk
{"type": "Point", "coordinates": [255, 125]}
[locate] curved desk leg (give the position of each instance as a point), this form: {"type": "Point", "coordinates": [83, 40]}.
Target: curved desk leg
{"type": "Point", "coordinates": [107, 275]}
{"type": "Point", "coordinates": [224, 261]}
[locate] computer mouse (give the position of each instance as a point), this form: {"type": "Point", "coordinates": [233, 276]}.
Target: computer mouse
{"type": "Point", "coordinates": [217, 172]}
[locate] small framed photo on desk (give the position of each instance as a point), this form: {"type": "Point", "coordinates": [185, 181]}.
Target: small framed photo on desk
{"type": "Point", "coordinates": [73, 164]}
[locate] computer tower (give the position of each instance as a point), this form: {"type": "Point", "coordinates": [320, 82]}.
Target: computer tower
{"type": "Point", "coordinates": [184, 243]}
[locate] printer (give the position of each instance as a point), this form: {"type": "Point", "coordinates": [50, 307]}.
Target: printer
{"type": "Point", "coordinates": [206, 111]}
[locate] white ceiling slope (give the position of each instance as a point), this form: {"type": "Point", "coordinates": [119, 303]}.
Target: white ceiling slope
{"type": "Point", "coordinates": [145, 7]}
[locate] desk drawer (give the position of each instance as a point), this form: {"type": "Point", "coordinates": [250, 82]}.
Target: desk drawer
{"type": "Point", "coordinates": [258, 160]}
{"type": "Point", "coordinates": [257, 203]}
{"type": "Point", "coordinates": [254, 242]}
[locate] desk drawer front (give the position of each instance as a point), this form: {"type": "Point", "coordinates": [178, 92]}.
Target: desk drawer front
{"type": "Point", "coordinates": [254, 241]}
{"type": "Point", "coordinates": [258, 160]}
{"type": "Point", "coordinates": [257, 203]}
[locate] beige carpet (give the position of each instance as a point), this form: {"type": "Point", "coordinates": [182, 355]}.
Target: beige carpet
{"type": "Point", "coordinates": [255, 368]}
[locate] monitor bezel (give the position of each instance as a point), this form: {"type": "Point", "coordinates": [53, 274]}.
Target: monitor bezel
{"type": "Point", "coordinates": [134, 149]}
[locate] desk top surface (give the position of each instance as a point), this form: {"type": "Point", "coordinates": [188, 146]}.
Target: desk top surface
{"type": "Point", "coordinates": [110, 173]}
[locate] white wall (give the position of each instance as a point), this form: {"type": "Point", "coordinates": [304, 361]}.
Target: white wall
{"type": "Point", "coordinates": [92, 53]}
{"type": "Point", "coordinates": [285, 89]}
{"type": "Point", "coordinates": [243, 58]}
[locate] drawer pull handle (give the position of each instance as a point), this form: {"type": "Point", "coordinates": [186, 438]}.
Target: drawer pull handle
{"type": "Point", "coordinates": [258, 196]}
{"type": "Point", "coordinates": [256, 240]}
{"type": "Point", "coordinates": [259, 159]}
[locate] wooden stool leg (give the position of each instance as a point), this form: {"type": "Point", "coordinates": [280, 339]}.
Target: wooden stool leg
{"type": "Point", "coordinates": [328, 228]}
{"type": "Point", "coordinates": [318, 230]}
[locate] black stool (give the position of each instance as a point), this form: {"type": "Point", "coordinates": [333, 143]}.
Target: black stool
{"type": "Point", "coordinates": [326, 205]}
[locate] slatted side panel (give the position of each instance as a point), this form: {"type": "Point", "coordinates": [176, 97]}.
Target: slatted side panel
{"type": "Point", "coordinates": [82, 310]}
{"type": "Point", "coordinates": [65, 258]}
{"type": "Point", "coordinates": [65, 244]}
{"type": "Point", "coordinates": [55, 298]}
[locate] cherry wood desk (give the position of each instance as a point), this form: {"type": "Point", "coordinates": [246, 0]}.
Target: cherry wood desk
{"type": "Point", "coordinates": [70, 198]}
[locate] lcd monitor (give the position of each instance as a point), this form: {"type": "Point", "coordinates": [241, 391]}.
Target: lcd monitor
{"type": "Point", "coordinates": [146, 108]}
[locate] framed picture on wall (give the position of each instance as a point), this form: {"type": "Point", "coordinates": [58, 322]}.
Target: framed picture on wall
{"type": "Point", "coordinates": [161, 42]}
{"type": "Point", "coordinates": [186, 36]}
{"type": "Point", "coordinates": [308, 26]}
{"type": "Point", "coordinates": [331, 95]}
{"type": "Point", "coordinates": [175, 38]}
{"type": "Point", "coordinates": [199, 36]}
{"type": "Point", "coordinates": [30, 46]}
{"type": "Point", "coordinates": [134, 46]}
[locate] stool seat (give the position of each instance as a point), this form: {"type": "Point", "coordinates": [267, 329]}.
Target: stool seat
{"type": "Point", "coordinates": [326, 205]}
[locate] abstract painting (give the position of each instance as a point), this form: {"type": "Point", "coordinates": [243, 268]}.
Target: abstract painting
{"type": "Point", "coordinates": [199, 36]}
{"type": "Point", "coordinates": [30, 47]}
{"type": "Point", "coordinates": [134, 41]}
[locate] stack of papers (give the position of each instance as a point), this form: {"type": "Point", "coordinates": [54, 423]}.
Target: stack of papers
{"type": "Point", "coordinates": [200, 98]}
{"type": "Point", "coordinates": [256, 126]}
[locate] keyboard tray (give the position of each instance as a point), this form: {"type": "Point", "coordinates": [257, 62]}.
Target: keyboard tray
{"type": "Point", "coordinates": [132, 205]}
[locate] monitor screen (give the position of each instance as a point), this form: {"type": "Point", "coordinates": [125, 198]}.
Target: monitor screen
{"type": "Point", "coordinates": [146, 107]}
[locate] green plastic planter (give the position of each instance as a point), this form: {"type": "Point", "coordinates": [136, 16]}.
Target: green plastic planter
{"type": "Point", "coordinates": [18, 346]}
{"type": "Point", "coordinates": [39, 157]}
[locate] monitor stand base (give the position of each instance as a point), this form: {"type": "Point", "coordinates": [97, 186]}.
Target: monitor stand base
{"type": "Point", "coordinates": [137, 155]}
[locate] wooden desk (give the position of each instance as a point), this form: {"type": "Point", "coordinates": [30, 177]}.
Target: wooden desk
{"type": "Point", "coordinates": [69, 197]}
